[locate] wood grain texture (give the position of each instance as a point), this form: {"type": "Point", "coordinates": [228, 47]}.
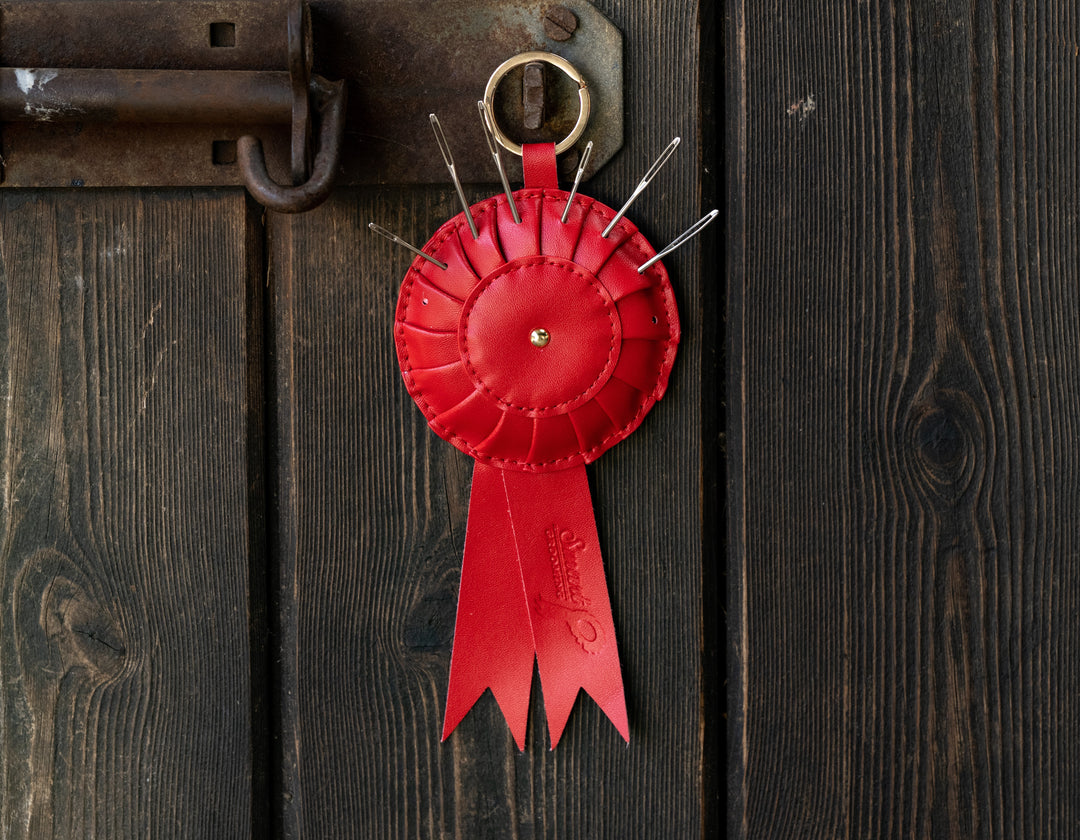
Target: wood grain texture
{"type": "Point", "coordinates": [373, 505]}
{"type": "Point", "coordinates": [905, 371]}
{"type": "Point", "coordinates": [125, 704]}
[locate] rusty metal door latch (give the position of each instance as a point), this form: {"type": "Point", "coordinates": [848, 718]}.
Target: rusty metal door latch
{"type": "Point", "coordinates": [201, 75]}
{"type": "Point", "coordinates": [171, 96]}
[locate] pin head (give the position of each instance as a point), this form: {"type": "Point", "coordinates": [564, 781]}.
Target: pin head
{"type": "Point", "coordinates": [539, 337]}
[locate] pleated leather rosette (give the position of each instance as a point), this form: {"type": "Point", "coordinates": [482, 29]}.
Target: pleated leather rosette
{"type": "Point", "coordinates": [539, 347]}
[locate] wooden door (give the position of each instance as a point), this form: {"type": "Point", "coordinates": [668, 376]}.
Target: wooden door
{"type": "Point", "coordinates": [231, 545]}
{"type": "Point", "coordinates": [905, 352]}
{"type": "Point", "coordinates": [132, 519]}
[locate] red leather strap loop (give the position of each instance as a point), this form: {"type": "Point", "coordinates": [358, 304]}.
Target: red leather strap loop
{"type": "Point", "coordinates": [541, 168]}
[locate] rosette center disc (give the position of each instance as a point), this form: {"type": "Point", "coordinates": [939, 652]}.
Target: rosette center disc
{"type": "Point", "coordinates": [540, 335]}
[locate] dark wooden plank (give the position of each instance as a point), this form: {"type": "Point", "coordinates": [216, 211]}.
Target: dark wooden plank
{"type": "Point", "coordinates": [124, 656]}
{"type": "Point", "coordinates": [373, 510]}
{"type": "Point", "coordinates": [905, 371]}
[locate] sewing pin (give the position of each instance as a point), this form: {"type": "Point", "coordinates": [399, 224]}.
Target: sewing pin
{"type": "Point", "coordinates": [577, 179]}
{"type": "Point", "coordinates": [640, 188]}
{"type": "Point", "coordinates": [681, 239]}
{"type": "Point", "coordinates": [494, 147]}
{"type": "Point", "coordinates": [397, 240]}
{"type": "Point", "coordinates": [445, 149]}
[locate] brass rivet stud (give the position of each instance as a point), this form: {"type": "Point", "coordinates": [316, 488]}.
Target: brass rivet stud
{"type": "Point", "coordinates": [539, 337]}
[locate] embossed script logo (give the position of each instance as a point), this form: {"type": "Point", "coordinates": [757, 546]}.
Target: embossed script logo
{"type": "Point", "coordinates": [564, 548]}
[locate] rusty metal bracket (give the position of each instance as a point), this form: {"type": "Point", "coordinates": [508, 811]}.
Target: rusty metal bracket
{"type": "Point", "coordinates": [162, 96]}
{"type": "Point", "coordinates": [400, 61]}
{"type": "Point", "coordinates": [407, 58]}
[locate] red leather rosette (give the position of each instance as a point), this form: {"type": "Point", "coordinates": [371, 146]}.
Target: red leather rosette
{"type": "Point", "coordinates": [537, 348]}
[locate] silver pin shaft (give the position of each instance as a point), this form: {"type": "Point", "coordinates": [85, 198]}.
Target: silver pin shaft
{"type": "Point", "coordinates": [494, 148]}
{"type": "Point", "coordinates": [640, 188]}
{"type": "Point", "coordinates": [440, 138]}
{"type": "Point", "coordinates": [577, 180]}
{"type": "Point", "coordinates": [397, 240]}
{"type": "Point", "coordinates": [680, 240]}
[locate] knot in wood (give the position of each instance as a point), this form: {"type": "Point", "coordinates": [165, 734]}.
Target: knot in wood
{"type": "Point", "coordinates": [87, 634]}
{"type": "Point", "coordinates": [429, 624]}
{"type": "Point", "coordinates": [943, 441]}
{"type": "Point", "coordinates": [62, 625]}
{"type": "Point", "coordinates": [939, 439]}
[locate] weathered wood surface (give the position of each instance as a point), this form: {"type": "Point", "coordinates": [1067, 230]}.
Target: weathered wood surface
{"type": "Point", "coordinates": [125, 696]}
{"type": "Point", "coordinates": [903, 441]}
{"type": "Point", "coordinates": [372, 512]}
{"type": "Point", "coordinates": [175, 663]}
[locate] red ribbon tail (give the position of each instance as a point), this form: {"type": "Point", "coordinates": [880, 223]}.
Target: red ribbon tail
{"type": "Point", "coordinates": [493, 640]}
{"type": "Point", "coordinates": [532, 585]}
{"type": "Point", "coordinates": [563, 573]}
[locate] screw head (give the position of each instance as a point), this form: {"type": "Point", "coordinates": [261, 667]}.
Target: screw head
{"type": "Point", "coordinates": [559, 23]}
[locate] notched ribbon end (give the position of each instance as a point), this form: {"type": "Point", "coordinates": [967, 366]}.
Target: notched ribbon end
{"type": "Point", "coordinates": [513, 705]}
{"type": "Point", "coordinates": [559, 710]}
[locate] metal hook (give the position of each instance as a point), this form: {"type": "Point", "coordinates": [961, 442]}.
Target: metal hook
{"type": "Point", "coordinates": [311, 183]}
{"type": "Point", "coordinates": [330, 102]}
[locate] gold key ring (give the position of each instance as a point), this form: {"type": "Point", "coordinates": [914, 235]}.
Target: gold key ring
{"type": "Point", "coordinates": [549, 58]}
